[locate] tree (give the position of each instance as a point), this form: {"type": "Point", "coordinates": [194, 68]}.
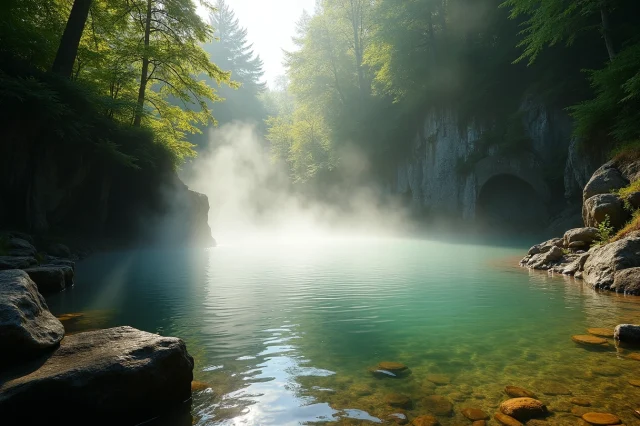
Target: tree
{"type": "Point", "coordinates": [68, 48]}
{"type": "Point", "coordinates": [554, 21]}
{"type": "Point", "coordinates": [232, 52]}
{"type": "Point", "coordinates": [171, 57]}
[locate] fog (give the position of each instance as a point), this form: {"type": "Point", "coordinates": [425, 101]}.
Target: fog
{"type": "Point", "coordinates": [252, 199]}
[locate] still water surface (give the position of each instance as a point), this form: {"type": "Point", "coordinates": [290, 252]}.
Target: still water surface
{"type": "Point", "coordinates": [284, 334]}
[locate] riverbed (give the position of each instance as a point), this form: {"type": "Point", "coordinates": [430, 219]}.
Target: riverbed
{"type": "Point", "coordinates": [288, 333]}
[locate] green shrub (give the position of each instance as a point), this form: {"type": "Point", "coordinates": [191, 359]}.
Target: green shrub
{"type": "Point", "coordinates": [605, 231]}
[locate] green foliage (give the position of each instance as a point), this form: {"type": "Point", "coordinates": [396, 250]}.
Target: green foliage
{"type": "Point", "coordinates": [96, 108]}
{"type": "Point", "coordinates": [605, 231]}
{"type": "Point", "coordinates": [632, 225]}
{"type": "Point", "coordinates": [616, 105]}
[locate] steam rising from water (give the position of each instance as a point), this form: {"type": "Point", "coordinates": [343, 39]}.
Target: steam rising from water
{"type": "Point", "coordinates": [252, 198]}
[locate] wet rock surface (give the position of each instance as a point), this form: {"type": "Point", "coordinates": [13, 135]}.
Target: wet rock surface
{"type": "Point", "coordinates": [119, 375]}
{"type": "Point", "coordinates": [523, 408]}
{"type": "Point", "coordinates": [27, 328]}
{"type": "Point", "coordinates": [627, 333]}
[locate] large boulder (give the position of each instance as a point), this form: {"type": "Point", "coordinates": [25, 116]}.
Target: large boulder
{"type": "Point", "coordinates": [51, 278]}
{"type": "Point", "coordinates": [627, 333]}
{"type": "Point", "coordinates": [603, 263]}
{"type": "Point", "coordinates": [16, 262]}
{"type": "Point", "coordinates": [59, 250]}
{"type": "Point", "coordinates": [627, 281]}
{"type": "Point", "coordinates": [118, 376]}
{"type": "Point", "coordinates": [21, 247]}
{"type": "Point", "coordinates": [585, 235]}
{"type": "Point", "coordinates": [595, 210]}
{"type": "Point", "coordinates": [26, 325]}
{"type": "Point", "coordinates": [603, 181]}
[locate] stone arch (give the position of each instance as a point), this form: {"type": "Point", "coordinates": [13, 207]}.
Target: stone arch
{"type": "Point", "coordinates": [511, 194]}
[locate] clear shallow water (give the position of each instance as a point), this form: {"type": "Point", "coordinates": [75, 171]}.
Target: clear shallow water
{"type": "Point", "coordinates": [284, 334]}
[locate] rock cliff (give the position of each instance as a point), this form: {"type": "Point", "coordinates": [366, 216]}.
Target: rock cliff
{"type": "Point", "coordinates": [454, 164]}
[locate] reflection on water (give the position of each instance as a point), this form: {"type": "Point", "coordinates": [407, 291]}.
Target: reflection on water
{"type": "Point", "coordinates": [286, 334]}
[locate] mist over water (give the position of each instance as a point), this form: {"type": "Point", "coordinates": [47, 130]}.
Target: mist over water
{"type": "Point", "coordinates": [252, 198]}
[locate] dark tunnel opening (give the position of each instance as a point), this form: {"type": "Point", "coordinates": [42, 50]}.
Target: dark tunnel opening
{"type": "Point", "coordinates": [508, 205]}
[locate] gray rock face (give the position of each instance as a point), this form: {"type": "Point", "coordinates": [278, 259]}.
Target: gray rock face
{"type": "Point", "coordinates": [577, 265]}
{"type": "Point", "coordinates": [20, 247]}
{"type": "Point", "coordinates": [51, 278]}
{"type": "Point", "coordinates": [584, 235]}
{"type": "Point", "coordinates": [598, 207]}
{"type": "Point", "coordinates": [26, 325]}
{"type": "Point", "coordinates": [115, 376]}
{"type": "Point", "coordinates": [16, 262]}
{"type": "Point", "coordinates": [634, 200]}
{"type": "Point", "coordinates": [604, 180]}
{"type": "Point", "coordinates": [627, 281]}
{"type": "Point", "coordinates": [605, 261]}
{"type": "Point", "coordinates": [627, 333]}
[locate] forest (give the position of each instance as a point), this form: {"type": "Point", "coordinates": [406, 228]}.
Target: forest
{"type": "Point", "coordinates": [133, 85]}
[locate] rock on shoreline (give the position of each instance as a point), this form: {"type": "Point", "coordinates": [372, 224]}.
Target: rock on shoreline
{"type": "Point", "coordinates": [119, 376]}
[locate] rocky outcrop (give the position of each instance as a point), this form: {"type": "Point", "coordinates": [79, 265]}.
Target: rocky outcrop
{"type": "Point", "coordinates": [17, 262]}
{"type": "Point", "coordinates": [27, 328]}
{"type": "Point", "coordinates": [602, 264]}
{"type": "Point", "coordinates": [114, 376]}
{"type": "Point", "coordinates": [51, 278]}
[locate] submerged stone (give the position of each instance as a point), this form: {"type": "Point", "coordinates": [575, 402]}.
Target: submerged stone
{"type": "Point", "coordinates": [589, 340]}
{"type": "Point", "coordinates": [634, 382]}
{"type": "Point", "coordinates": [506, 420]}
{"type": "Point", "coordinates": [394, 367]}
{"type": "Point", "coordinates": [553, 388]}
{"type": "Point", "coordinates": [601, 419]}
{"type": "Point", "coordinates": [425, 421]}
{"type": "Point", "coordinates": [518, 392]}
{"type": "Point", "coordinates": [197, 386]}
{"type": "Point", "coordinates": [634, 356]}
{"type": "Point", "coordinates": [439, 379]}
{"type": "Point", "coordinates": [583, 402]}
{"type": "Point", "coordinates": [479, 423]}
{"type": "Point", "coordinates": [398, 400]}
{"type": "Point", "coordinates": [474, 414]}
{"type": "Point", "coordinates": [523, 408]}
{"type": "Point", "coordinates": [438, 405]}
{"type": "Point", "coordinates": [398, 418]}
{"type": "Point", "coordinates": [601, 332]}
{"type": "Point", "coordinates": [376, 372]}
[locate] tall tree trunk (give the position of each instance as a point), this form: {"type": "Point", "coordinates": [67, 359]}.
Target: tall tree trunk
{"type": "Point", "coordinates": [144, 78]}
{"type": "Point", "coordinates": [68, 48]}
{"type": "Point", "coordinates": [356, 23]}
{"type": "Point", "coordinates": [606, 31]}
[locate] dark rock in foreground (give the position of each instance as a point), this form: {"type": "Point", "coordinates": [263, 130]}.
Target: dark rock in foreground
{"type": "Point", "coordinates": [26, 326]}
{"type": "Point", "coordinates": [16, 262]}
{"type": "Point", "coordinates": [51, 278]}
{"type": "Point", "coordinates": [627, 333]}
{"type": "Point", "coordinates": [115, 376]}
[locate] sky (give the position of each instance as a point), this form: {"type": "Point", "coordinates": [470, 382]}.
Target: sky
{"type": "Point", "coordinates": [270, 25]}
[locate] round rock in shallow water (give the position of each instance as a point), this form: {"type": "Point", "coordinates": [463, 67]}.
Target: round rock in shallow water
{"type": "Point", "coordinates": [601, 332]}
{"type": "Point", "coordinates": [506, 420]}
{"type": "Point", "coordinates": [394, 367]}
{"type": "Point", "coordinates": [425, 421]}
{"type": "Point", "coordinates": [474, 414]}
{"type": "Point", "coordinates": [589, 340]}
{"type": "Point", "coordinates": [398, 418]}
{"type": "Point", "coordinates": [601, 419]}
{"type": "Point", "coordinates": [438, 405]}
{"type": "Point", "coordinates": [479, 423]}
{"type": "Point", "coordinates": [518, 392]}
{"type": "Point", "coordinates": [398, 400]}
{"type": "Point", "coordinates": [583, 402]}
{"type": "Point", "coordinates": [439, 379]}
{"type": "Point", "coordinates": [523, 408]}
{"type": "Point", "coordinates": [635, 382]}
{"type": "Point", "coordinates": [634, 356]}
{"type": "Point", "coordinates": [197, 386]}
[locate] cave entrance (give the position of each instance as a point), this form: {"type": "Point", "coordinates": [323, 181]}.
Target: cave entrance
{"type": "Point", "coordinates": [508, 204]}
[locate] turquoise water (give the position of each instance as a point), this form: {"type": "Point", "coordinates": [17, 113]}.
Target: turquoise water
{"type": "Point", "coordinates": [284, 334]}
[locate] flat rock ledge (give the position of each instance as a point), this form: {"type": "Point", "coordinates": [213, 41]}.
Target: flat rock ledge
{"type": "Point", "coordinates": [115, 376]}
